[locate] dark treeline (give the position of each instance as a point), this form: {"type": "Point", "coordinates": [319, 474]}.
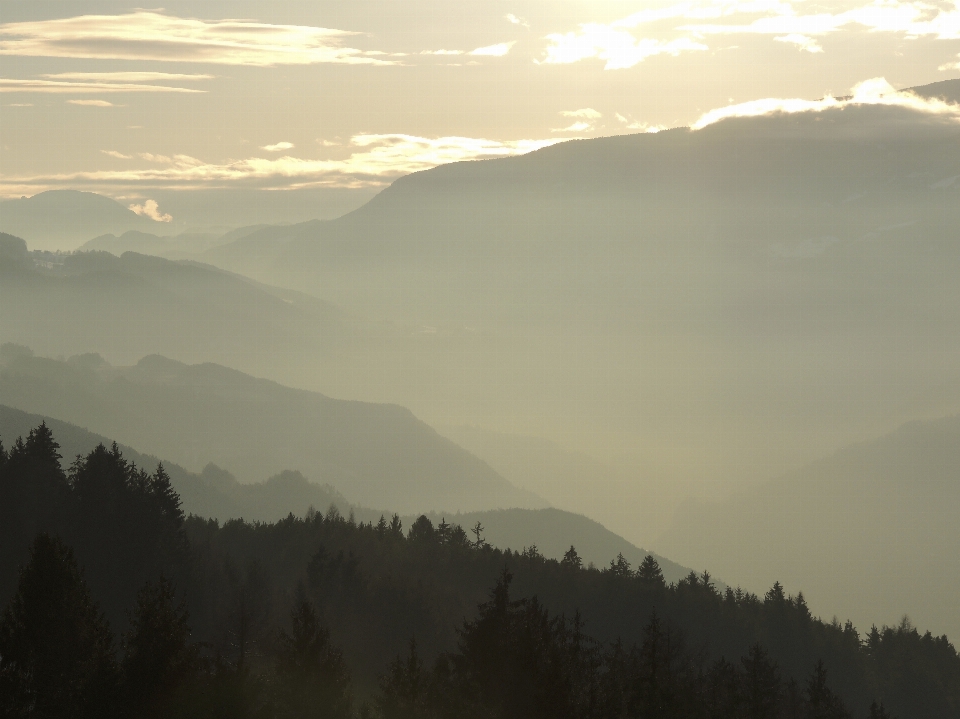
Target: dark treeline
{"type": "Point", "coordinates": [117, 605]}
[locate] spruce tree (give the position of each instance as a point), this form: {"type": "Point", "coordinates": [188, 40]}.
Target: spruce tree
{"type": "Point", "coordinates": [159, 657]}
{"type": "Point", "coordinates": [649, 572]}
{"type": "Point", "coordinates": [56, 650]}
{"type": "Point", "coordinates": [312, 676]}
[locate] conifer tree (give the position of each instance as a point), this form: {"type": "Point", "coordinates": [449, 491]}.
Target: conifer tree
{"type": "Point", "coordinates": [56, 651]}
{"type": "Point", "coordinates": [822, 702]}
{"type": "Point", "coordinates": [571, 560]}
{"type": "Point", "coordinates": [159, 657]}
{"type": "Point", "coordinates": [314, 683]}
{"type": "Point", "coordinates": [649, 572]}
{"type": "Point", "coordinates": [761, 684]}
{"type": "Point", "coordinates": [620, 567]}
{"type": "Point", "coordinates": [405, 689]}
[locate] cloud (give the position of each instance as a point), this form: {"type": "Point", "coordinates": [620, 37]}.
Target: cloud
{"type": "Point", "coordinates": [683, 27]}
{"type": "Point", "coordinates": [136, 77]}
{"type": "Point", "coordinates": [514, 20]}
{"type": "Point", "coordinates": [950, 66]}
{"type": "Point", "coordinates": [151, 209]}
{"type": "Point", "coordinates": [638, 125]}
{"type": "Point", "coordinates": [145, 35]}
{"type": "Point", "coordinates": [575, 127]}
{"type": "Point", "coordinates": [912, 19]}
{"type": "Point", "coordinates": [60, 86]}
{"type": "Point", "coordinates": [91, 103]}
{"type": "Point", "coordinates": [498, 50]}
{"type": "Point", "coordinates": [374, 161]}
{"type": "Point", "coordinates": [618, 47]}
{"type": "Point", "coordinates": [803, 42]}
{"type": "Point", "coordinates": [442, 52]}
{"type": "Point", "coordinates": [586, 112]}
{"type": "Point", "coordinates": [20, 104]}
{"type": "Point", "coordinates": [118, 155]}
{"type": "Point", "coordinates": [876, 91]}
{"type": "Point", "coordinates": [278, 147]}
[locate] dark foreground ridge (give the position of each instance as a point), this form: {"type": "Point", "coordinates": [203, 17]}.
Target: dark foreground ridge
{"type": "Point", "coordinates": [122, 606]}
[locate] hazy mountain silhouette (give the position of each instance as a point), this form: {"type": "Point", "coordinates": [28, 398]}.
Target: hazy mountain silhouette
{"type": "Point", "coordinates": [194, 414]}
{"type": "Point", "coordinates": [561, 475]}
{"type": "Point", "coordinates": [66, 218]}
{"type": "Point", "coordinates": [186, 245]}
{"type": "Point", "coordinates": [552, 532]}
{"type": "Point", "coordinates": [870, 533]}
{"type": "Point", "coordinates": [127, 307]}
{"type": "Point", "coordinates": [215, 493]}
{"type": "Point", "coordinates": [724, 303]}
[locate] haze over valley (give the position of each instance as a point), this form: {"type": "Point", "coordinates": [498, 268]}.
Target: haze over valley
{"type": "Point", "coordinates": [414, 364]}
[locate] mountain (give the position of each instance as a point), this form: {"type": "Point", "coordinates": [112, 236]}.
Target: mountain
{"type": "Point", "coordinates": [129, 306]}
{"type": "Point", "coordinates": [377, 455]}
{"type": "Point", "coordinates": [553, 531]}
{"type": "Point", "coordinates": [717, 306]}
{"type": "Point", "coordinates": [184, 246]}
{"type": "Point", "coordinates": [215, 493]}
{"type": "Point", "coordinates": [870, 533]}
{"type": "Point", "coordinates": [212, 493]}
{"type": "Point", "coordinates": [63, 219]}
{"type": "Point", "coordinates": [617, 497]}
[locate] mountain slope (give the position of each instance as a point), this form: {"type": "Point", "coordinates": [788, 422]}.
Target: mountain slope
{"type": "Point", "coordinates": [870, 533]}
{"type": "Point", "coordinates": [378, 455]}
{"type": "Point", "coordinates": [63, 219]}
{"type": "Point", "coordinates": [215, 493]}
{"type": "Point", "coordinates": [720, 305]}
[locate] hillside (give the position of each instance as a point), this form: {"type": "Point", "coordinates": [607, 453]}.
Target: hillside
{"type": "Point", "coordinates": [64, 219]}
{"type": "Point", "coordinates": [215, 493]}
{"type": "Point", "coordinates": [254, 428]}
{"type": "Point", "coordinates": [870, 532]}
{"type": "Point", "coordinates": [580, 287]}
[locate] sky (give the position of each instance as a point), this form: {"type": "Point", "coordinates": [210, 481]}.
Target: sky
{"type": "Point", "coordinates": [229, 113]}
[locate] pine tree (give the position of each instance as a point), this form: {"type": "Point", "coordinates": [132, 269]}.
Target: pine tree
{"type": "Point", "coordinates": [822, 702]}
{"type": "Point", "coordinates": [761, 679]}
{"type": "Point", "coordinates": [56, 651]}
{"type": "Point", "coordinates": [571, 560]}
{"type": "Point", "coordinates": [422, 530]}
{"type": "Point", "coordinates": [620, 567]}
{"type": "Point", "coordinates": [405, 690]}
{"type": "Point", "coordinates": [649, 572]}
{"type": "Point", "coordinates": [313, 677]}
{"type": "Point", "coordinates": [159, 657]}
{"type": "Point", "coordinates": [877, 711]}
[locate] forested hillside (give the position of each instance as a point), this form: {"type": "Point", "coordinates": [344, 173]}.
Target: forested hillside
{"type": "Point", "coordinates": [843, 527]}
{"type": "Point", "coordinates": [376, 455]}
{"type": "Point", "coordinates": [272, 619]}
{"type": "Point", "coordinates": [215, 493]}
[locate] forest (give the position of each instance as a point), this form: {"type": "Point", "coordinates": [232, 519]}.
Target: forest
{"type": "Point", "coordinates": [116, 604]}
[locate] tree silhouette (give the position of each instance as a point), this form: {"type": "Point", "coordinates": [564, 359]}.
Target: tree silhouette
{"type": "Point", "coordinates": [822, 702]}
{"type": "Point", "coordinates": [314, 682]}
{"type": "Point", "coordinates": [649, 572]}
{"type": "Point", "coordinates": [571, 559]}
{"type": "Point", "coordinates": [56, 651]}
{"type": "Point", "coordinates": [405, 689]}
{"type": "Point", "coordinates": [761, 684]}
{"type": "Point", "coordinates": [159, 657]}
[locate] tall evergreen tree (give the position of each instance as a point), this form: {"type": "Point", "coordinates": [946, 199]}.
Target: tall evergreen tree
{"type": "Point", "coordinates": [56, 650]}
{"type": "Point", "coordinates": [761, 684]}
{"type": "Point", "coordinates": [649, 572]}
{"type": "Point", "coordinates": [314, 683]}
{"type": "Point", "coordinates": [159, 657]}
